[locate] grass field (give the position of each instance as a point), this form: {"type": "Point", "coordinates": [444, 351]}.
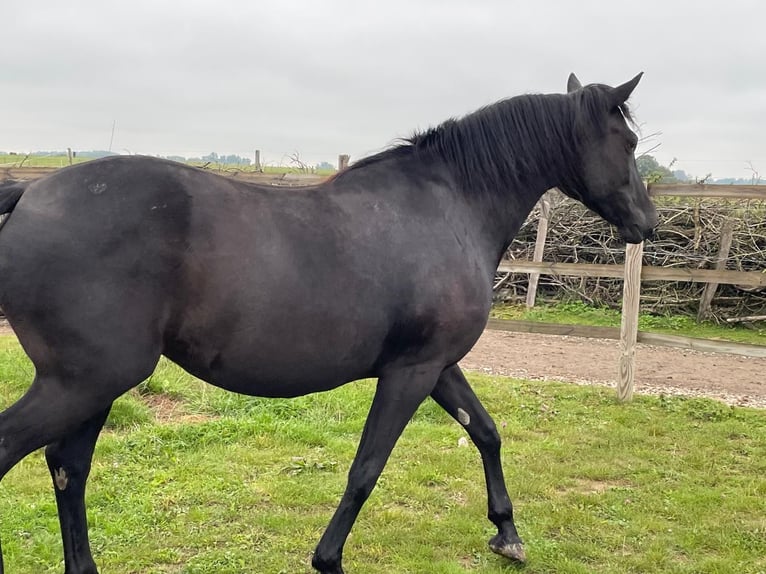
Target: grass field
{"type": "Point", "coordinates": [8, 160]}
{"type": "Point", "coordinates": [232, 484]}
{"type": "Point", "coordinates": [576, 313]}
{"type": "Point", "coordinates": [58, 161]}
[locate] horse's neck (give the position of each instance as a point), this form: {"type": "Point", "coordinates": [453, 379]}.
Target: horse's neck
{"type": "Point", "coordinates": [503, 213]}
{"type": "Point", "coordinates": [502, 209]}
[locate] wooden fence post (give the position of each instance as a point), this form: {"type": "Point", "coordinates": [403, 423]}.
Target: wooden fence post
{"type": "Point", "coordinates": [343, 161]}
{"type": "Point", "coordinates": [542, 233]}
{"type": "Point", "coordinates": [727, 233]}
{"type": "Point", "coordinates": [631, 296]}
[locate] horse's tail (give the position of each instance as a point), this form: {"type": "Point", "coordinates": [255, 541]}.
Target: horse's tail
{"type": "Point", "coordinates": [10, 194]}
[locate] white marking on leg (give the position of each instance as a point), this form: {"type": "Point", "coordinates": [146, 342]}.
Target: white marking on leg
{"type": "Point", "coordinates": [61, 479]}
{"type": "Point", "coordinates": [463, 417]}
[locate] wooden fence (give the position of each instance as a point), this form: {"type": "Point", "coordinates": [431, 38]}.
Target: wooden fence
{"type": "Point", "coordinates": [633, 272]}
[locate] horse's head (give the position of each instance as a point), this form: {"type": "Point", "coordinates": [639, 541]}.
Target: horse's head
{"type": "Point", "coordinates": [605, 177]}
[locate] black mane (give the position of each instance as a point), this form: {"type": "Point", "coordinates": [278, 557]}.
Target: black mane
{"type": "Point", "coordinates": [494, 147]}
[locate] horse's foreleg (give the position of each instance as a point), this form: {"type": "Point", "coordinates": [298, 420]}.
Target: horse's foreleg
{"type": "Point", "coordinates": [454, 394]}
{"type": "Point", "coordinates": [397, 397]}
{"type": "Point", "coordinates": [69, 462]}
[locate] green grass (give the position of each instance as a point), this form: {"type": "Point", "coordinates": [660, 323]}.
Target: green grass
{"type": "Point", "coordinates": [577, 313]}
{"type": "Point", "coordinates": [39, 160]}
{"type": "Point", "coordinates": [658, 485]}
{"type": "Point", "coordinates": [63, 161]}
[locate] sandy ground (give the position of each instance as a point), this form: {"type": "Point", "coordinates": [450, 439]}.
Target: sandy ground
{"type": "Point", "coordinates": [733, 379]}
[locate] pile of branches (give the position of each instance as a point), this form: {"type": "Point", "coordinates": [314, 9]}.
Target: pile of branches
{"type": "Point", "coordinates": [689, 236]}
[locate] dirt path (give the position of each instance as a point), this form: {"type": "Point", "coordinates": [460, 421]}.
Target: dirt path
{"type": "Point", "coordinates": [730, 378]}
{"type": "Point", "coordinates": [733, 379]}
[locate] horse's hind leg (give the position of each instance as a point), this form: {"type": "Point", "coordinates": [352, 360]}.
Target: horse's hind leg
{"type": "Point", "coordinates": [455, 395]}
{"type": "Point", "coordinates": [69, 462]}
{"type": "Point", "coordinates": [53, 408]}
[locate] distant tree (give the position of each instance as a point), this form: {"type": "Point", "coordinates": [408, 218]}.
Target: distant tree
{"type": "Point", "coordinates": [233, 159]}
{"type": "Point", "coordinates": [647, 165]}
{"type": "Point", "coordinates": [651, 170]}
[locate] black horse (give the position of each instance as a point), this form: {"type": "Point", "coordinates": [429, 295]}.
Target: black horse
{"type": "Point", "coordinates": [382, 271]}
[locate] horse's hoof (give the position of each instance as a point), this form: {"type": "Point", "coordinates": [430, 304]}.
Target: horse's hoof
{"type": "Point", "coordinates": [324, 566]}
{"type": "Point", "coordinates": [511, 550]}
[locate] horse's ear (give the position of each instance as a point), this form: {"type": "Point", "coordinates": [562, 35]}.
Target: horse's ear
{"type": "Point", "coordinates": [621, 93]}
{"type": "Point", "coordinates": [573, 84]}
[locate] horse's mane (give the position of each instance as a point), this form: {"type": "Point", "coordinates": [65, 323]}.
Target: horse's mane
{"type": "Point", "coordinates": [494, 147]}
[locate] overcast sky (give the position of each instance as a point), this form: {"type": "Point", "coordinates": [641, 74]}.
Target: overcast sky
{"type": "Point", "coordinates": [329, 77]}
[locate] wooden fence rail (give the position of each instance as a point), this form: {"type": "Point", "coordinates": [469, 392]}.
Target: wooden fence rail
{"type": "Point", "coordinates": [633, 273]}
{"type": "Point", "coordinates": [648, 272]}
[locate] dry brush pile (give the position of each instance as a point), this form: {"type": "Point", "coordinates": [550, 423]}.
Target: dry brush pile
{"type": "Point", "coordinates": [688, 237]}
